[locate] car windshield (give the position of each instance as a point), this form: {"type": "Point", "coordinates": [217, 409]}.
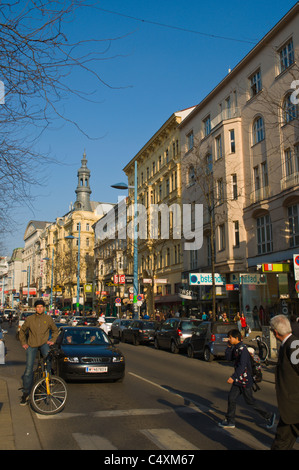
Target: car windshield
{"type": "Point", "coordinates": [189, 325]}
{"type": "Point", "coordinates": [110, 319]}
{"type": "Point", "coordinates": [84, 336]}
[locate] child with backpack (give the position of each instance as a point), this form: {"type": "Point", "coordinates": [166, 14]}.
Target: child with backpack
{"type": "Point", "coordinates": [241, 381]}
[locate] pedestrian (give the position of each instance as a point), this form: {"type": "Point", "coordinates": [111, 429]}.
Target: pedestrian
{"type": "Point", "coordinates": [102, 324]}
{"type": "Point", "coordinates": [286, 384]}
{"type": "Point", "coordinates": [38, 328]}
{"type": "Point", "coordinates": [241, 381]}
{"type": "Point", "coordinates": [237, 319]}
{"type": "Point", "coordinates": [243, 324]}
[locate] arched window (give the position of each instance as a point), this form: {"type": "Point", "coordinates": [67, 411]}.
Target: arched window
{"type": "Point", "coordinates": [258, 130]}
{"type": "Point", "coordinates": [289, 109]}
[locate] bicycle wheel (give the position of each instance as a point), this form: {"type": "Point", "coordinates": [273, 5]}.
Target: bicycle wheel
{"type": "Point", "coordinates": [52, 403]}
{"type": "Point", "coordinates": [263, 351]}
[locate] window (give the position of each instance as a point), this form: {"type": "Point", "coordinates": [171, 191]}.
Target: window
{"type": "Point", "coordinates": [207, 126]}
{"type": "Point", "coordinates": [87, 227]}
{"type": "Point", "coordinates": [289, 109]}
{"type": "Point", "coordinates": [232, 141]}
{"type": "Point", "coordinates": [236, 233]}
{"type": "Point", "coordinates": [191, 176]}
{"type": "Point", "coordinates": [296, 152]}
{"type": "Point", "coordinates": [258, 130]}
{"type": "Point", "coordinates": [154, 168]}
{"type": "Point", "coordinates": [264, 168]}
{"type": "Point", "coordinates": [190, 141]}
{"type": "Point", "coordinates": [222, 237]}
{"type": "Point", "coordinates": [293, 225]}
{"type": "Point", "coordinates": [235, 186]}
{"type": "Point", "coordinates": [167, 156]}
{"type": "Point", "coordinates": [218, 141]}
{"type": "Point", "coordinates": [257, 181]}
{"type": "Point", "coordinates": [286, 56]}
{"type": "Point", "coordinates": [209, 164]}
{"type": "Point", "coordinates": [288, 162]}
{"type": "Point", "coordinates": [220, 191]}
{"type": "Point", "coordinates": [255, 83]}
{"type": "Point", "coordinates": [167, 187]}
{"type": "Point", "coordinates": [264, 234]}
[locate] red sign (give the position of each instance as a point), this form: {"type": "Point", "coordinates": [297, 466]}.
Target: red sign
{"type": "Point", "coordinates": [119, 279]}
{"type": "Point", "coordinates": [32, 291]}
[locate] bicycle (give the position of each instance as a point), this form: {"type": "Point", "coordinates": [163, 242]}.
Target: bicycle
{"type": "Point", "coordinates": [263, 350]}
{"type": "Point", "coordinates": [49, 392]}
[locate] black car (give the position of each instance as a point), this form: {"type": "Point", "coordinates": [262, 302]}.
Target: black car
{"type": "Point", "coordinates": [174, 332]}
{"type": "Point", "coordinates": [118, 327]}
{"type": "Point", "coordinates": [87, 321]}
{"type": "Point", "coordinates": [207, 339]}
{"type": "Point", "coordinates": [88, 353]}
{"type": "Point", "coordinates": [139, 331]}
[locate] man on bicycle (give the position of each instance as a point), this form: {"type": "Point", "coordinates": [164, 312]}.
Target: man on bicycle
{"type": "Point", "coordinates": [35, 334]}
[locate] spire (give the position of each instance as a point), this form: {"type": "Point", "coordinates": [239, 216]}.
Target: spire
{"type": "Point", "coordinates": [83, 190]}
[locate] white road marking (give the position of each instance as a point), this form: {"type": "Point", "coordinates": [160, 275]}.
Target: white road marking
{"type": "Point", "coordinates": [166, 439]}
{"type": "Point", "coordinates": [92, 442]}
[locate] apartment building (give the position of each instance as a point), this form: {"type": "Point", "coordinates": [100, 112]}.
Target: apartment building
{"type": "Point", "coordinates": [240, 159]}
{"type": "Point", "coordinates": [158, 183]}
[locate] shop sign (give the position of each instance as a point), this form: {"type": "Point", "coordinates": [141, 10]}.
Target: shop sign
{"type": "Point", "coordinates": [206, 279]}
{"type": "Point", "coordinates": [276, 267]}
{"type": "Point", "coordinates": [187, 294]}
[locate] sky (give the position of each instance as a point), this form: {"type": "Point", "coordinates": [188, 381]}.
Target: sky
{"type": "Point", "coordinates": [168, 56]}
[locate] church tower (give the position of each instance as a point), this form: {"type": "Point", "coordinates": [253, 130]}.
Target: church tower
{"type": "Point", "coordinates": [83, 190]}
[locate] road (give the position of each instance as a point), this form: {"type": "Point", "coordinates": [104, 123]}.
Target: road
{"type": "Point", "coordinates": [166, 402]}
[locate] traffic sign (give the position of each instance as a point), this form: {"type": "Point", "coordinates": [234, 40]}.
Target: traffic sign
{"type": "Point", "coordinates": [297, 286]}
{"type": "Point", "coordinates": [296, 267]}
{"type": "Point", "coordinates": [118, 300]}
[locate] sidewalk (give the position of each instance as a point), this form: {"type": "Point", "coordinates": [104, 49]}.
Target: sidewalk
{"type": "Point", "coordinates": [17, 429]}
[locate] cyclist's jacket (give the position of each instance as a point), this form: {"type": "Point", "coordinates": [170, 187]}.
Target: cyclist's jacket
{"type": "Point", "coordinates": [38, 328]}
{"type": "Point", "coordinates": [243, 373]}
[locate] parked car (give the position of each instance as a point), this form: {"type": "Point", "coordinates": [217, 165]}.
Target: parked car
{"type": "Point", "coordinates": [22, 319]}
{"type": "Point", "coordinates": [88, 353]}
{"type": "Point", "coordinates": [118, 326]}
{"type": "Point", "coordinates": [74, 320]}
{"type": "Point", "coordinates": [140, 331]}
{"type": "Point", "coordinates": [9, 311]}
{"type": "Point", "coordinates": [174, 332]}
{"type": "Point", "coordinates": [207, 340]}
{"type": "Point", "coordinates": [87, 321]}
{"type": "Point", "coordinates": [109, 321]}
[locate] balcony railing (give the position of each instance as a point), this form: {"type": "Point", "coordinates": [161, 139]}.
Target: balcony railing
{"type": "Point", "coordinates": [289, 181]}
{"type": "Point", "coordinates": [260, 194]}
{"type": "Point", "coordinates": [230, 113]}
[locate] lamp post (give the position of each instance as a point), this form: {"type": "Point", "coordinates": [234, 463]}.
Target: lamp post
{"type": "Point", "coordinates": [135, 239]}
{"type": "Point", "coordinates": [52, 277]}
{"type": "Point", "coordinates": [71, 237]}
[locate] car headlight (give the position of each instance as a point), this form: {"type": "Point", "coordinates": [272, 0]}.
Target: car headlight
{"type": "Point", "coordinates": [71, 359]}
{"type": "Point", "coordinates": [118, 359]}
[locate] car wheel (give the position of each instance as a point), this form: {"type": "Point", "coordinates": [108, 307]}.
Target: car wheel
{"type": "Point", "coordinates": [207, 355]}
{"type": "Point", "coordinates": [156, 344]}
{"type": "Point", "coordinates": [190, 351]}
{"type": "Point", "coordinates": [173, 348]}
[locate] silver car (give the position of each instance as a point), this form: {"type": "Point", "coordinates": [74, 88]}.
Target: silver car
{"type": "Point", "coordinates": [118, 326]}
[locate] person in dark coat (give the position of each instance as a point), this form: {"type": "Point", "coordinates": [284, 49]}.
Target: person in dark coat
{"type": "Point", "coordinates": [287, 384]}
{"type": "Point", "coordinates": [241, 382]}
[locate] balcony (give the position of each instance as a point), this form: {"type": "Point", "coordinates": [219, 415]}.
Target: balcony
{"type": "Point", "coordinates": [226, 114]}
{"type": "Point", "coordinates": [289, 181]}
{"type": "Point", "coordinates": [260, 194]}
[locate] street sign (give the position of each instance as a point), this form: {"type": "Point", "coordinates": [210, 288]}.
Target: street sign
{"type": "Point", "coordinates": [118, 300]}
{"type": "Point", "coordinates": [297, 287]}
{"type": "Point", "coordinates": [296, 267]}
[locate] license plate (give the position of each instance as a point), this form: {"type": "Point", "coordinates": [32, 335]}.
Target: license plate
{"type": "Point", "coordinates": [96, 369]}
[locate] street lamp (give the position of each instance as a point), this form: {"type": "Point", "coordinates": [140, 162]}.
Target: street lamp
{"type": "Point", "coordinates": [135, 270]}
{"type": "Point", "coordinates": [71, 237]}
{"type": "Point", "coordinates": [52, 270]}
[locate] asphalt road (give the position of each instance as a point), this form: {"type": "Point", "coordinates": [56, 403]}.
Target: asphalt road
{"type": "Point", "coordinates": [166, 402]}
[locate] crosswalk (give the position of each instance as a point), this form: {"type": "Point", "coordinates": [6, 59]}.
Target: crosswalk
{"type": "Point", "coordinates": [162, 438]}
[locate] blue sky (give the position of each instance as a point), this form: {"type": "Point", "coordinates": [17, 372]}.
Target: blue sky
{"type": "Point", "coordinates": [156, 71]}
